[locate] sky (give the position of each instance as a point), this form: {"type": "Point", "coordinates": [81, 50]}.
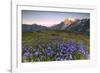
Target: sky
{"type": "Point", "coordinates": [49, 18]}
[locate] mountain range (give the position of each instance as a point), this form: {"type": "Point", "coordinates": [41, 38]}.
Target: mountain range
{"type": "Point", "coordinates": [80, 26]}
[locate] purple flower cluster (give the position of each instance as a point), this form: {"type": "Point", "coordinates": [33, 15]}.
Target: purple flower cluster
{"type": "Point", "coordinates": [54, 50]}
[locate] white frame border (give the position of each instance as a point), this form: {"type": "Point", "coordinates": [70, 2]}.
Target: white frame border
{"type": "Point", "coordinates": [16, 66]}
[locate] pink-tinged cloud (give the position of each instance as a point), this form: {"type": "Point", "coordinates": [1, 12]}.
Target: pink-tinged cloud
{"type": "Point", "coordinates": [43, 22]}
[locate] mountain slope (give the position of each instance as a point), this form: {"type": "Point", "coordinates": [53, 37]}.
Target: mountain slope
{"type": "Point", "coordinates": [81, 26]}
{"type": "Point", "coordinates": [33, 27]}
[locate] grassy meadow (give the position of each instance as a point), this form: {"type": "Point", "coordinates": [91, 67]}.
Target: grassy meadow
{"type": "Point", "coordinates": [45, 46]}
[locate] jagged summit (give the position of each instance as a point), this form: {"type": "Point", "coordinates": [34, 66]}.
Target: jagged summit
{"type": "Point", "coordinates": [68, 21]}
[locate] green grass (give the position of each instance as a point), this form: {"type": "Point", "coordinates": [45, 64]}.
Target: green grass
{"type": "Point", "coordinates": [33, 39]}
{"type": "Point", "coordinates": [30, 39]}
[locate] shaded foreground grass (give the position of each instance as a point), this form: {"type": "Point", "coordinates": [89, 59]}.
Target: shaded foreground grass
{"type": "Point", "coordinates": [34, 39]}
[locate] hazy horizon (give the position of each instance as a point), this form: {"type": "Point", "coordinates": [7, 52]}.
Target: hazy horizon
{"type": "Point", "coordinates": [49, 18]}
